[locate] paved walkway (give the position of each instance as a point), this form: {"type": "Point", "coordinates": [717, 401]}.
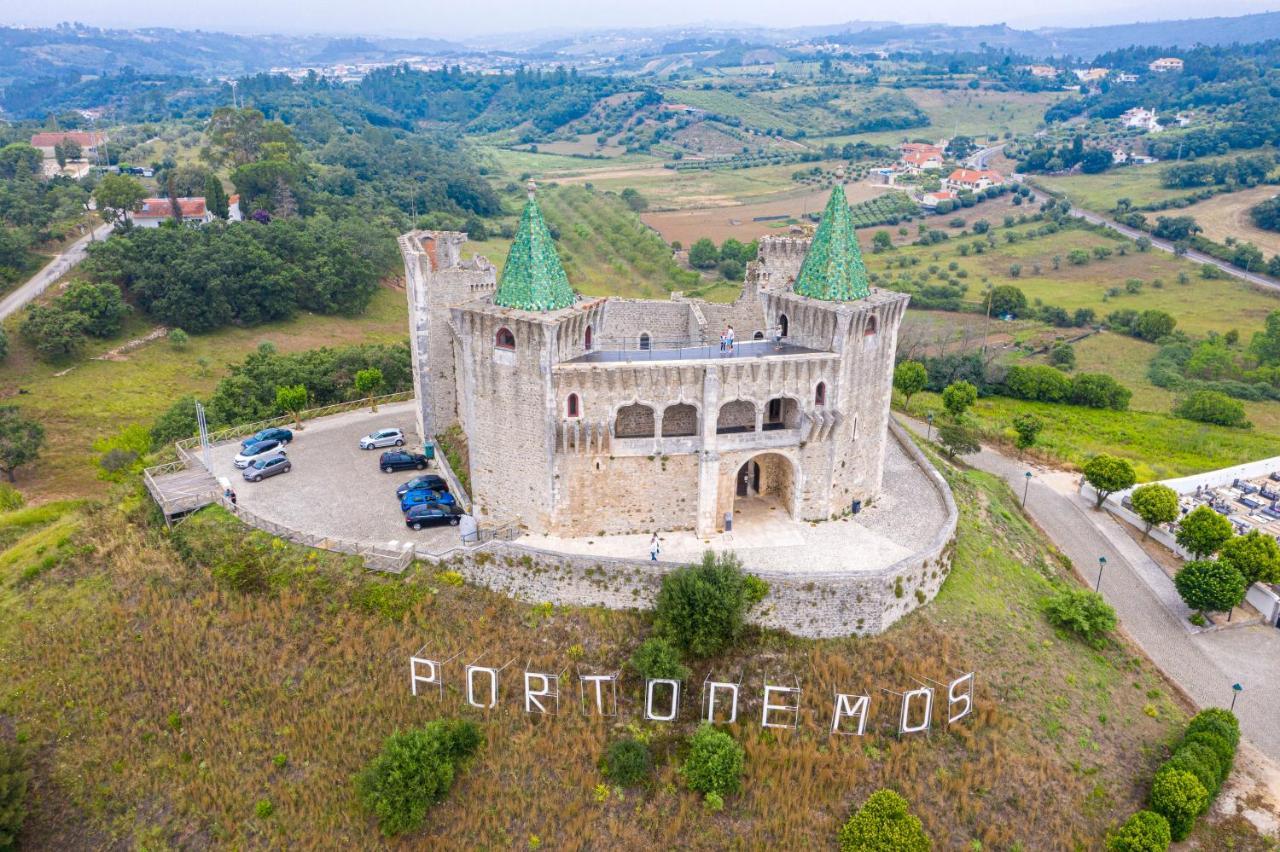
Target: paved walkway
{"type": "Point", "coordinates": [1205, 664]}
{"type": "Point", "coordinates": [51, 272]}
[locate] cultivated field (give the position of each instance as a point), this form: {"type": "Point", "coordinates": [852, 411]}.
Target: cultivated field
{"type": "Point", "coordinates": [980, 114]}
{"type": "Point", "coordinates": [1227, 215]}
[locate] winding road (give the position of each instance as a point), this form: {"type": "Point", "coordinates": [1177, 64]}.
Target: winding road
{"type": "Point", "coordinates": [51, 272]}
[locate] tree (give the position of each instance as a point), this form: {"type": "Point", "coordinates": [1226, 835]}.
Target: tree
{"type": "Point", "coordinates": [1255, 555]}
{"type": "Point", "coordinates": [1028, 427]}
{"type": "Point", "coordinates": [1206, 406]}
{"type": "Point", "coordinates": [215, 197]}
{"type": "Point", "coordinates": [1153, 325]}
{"type": "Point", "coordinates": [1210, 585]}
{"type": "Point", "coordinates": [958, 397]}
{"type": "Point", "coordinates": [20, 440]}
{"type": "Point", "coordinates": [957, 439]}
{"type": "Point", "coordinates": [910, 377]}
{"type": "Point", "coordinates": [1145, 831]}
{"type": "Point", "coordinates": [881, 241]}
{"type": "Point", "coordinates": [14, 778]}
{"type": "Point", "coordinates": [99, 303]}
{"type": "Point", "coordinates": [292, 399]}
{"type": "Point", "coordinates": [715, 761]}
{"type": "Point", "coordinates": [732, 270]}
{"type": "Point", "coordinates": [703, 254]}
{"type": "Point", "coordinates": [1063, 356]}
{"type": "Point", "coordinates": [367, 383]}
{"type": "Point", "coordinates": [884, 823]}
{"type": "Point", "coordinates": [658, 658]}
{"type": "Point", "coordinates": [633, 199]}
{"type": "Point", "coordinates": [1096, 160]}
{"type": "Point", "coordinates": [1007, 300]}
{"type": "Point", "coordinates": [702, 608]}
{"type": "Point", "coordinates": [1265, 345]}
{"type": "Point", "coordinates": [1155, 504]}
{"type": "Point", "coordinates": [178, 339]}
{"type": "Point", "coordinates": [1108, 474]}
{"type": "Point", "coordinates": [117, 196]}
{"type": "Point", "coordinates": [414, 770]}
{"type": "Point", "coordinates": [1203, 531]}
{"type": "Point", "coordinates": [55, 333]}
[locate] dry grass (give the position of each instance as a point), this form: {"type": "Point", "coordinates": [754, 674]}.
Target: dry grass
{"type": "Point", "coordinates": [158, 702]}
{"type": "Point", "coordinates": [1227, 215]}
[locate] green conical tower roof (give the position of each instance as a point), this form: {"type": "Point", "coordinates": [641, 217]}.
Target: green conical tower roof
{"type": "Point", "coordinates": [833, 269]}
{"type": "Point", "coordinates": [533, 278]}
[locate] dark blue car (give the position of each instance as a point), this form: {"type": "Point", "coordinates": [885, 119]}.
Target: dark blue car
{"type": "Point", "coordinates": [418, 483]}
{"type": "Point", "coordinates": [275, 433]}
{"type": "Point", "coordinates": [430, 514]}
{"type": "Point", "coordinates": [417, 498]}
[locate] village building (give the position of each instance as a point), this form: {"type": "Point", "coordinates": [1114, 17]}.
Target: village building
{"type": "Point", "coordinates": [48, 142]}
{"type": "Point", "coordinates": [1042, 71]}
{"type": "Point", "coordinates": [972, 180]}
{"type": "Point", "coordinates": [155, 211]}
{"type": "Point", "coordinates": [1140, 118]}
{"type": "Point", "coordinates": [931, 200]}
{"type": "Point", "coordinates": [593, 416]}
{"type": "Point", "coordinates": [1165, 63]}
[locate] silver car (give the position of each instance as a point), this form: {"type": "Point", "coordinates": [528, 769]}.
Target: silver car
{"type": "Point", "coordinates": [382, 438]}
{"type": "Point", "coordinates": [260, 469]}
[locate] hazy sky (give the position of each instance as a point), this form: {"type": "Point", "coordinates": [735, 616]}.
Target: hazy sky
{"type": "Point", "coordinates": [474, 17]}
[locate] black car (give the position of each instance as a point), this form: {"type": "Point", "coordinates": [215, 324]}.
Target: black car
{"type": "Point", "coordinates": [432, 514]}
{"type": "Point", "coordinates": [428, 481]}
{"type": "Point", "coordinates": [400, 460]}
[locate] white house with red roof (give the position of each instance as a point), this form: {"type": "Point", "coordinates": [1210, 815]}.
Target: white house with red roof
{"type": "Point", "coordinates": [931, 200]}
{"type": "Point", "coordinates": [916, 157]}
{"type": "Point", "coordinates": [154, 211]}
{"type": "Point", "coordinates": [972, 180]}
{"type": "Point", "coordinates": [50, 140]}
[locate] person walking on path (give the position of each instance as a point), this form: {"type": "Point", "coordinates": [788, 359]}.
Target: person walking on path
{"type": "Point", "coordinates": [729, 338]}
{"type": "Point", "coordinates": [724, 339]}
{"type": "Point", "coordinates": [655, 547]}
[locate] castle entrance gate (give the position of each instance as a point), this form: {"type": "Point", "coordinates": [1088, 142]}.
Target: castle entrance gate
{"type": "Point", "coordinates": [764, 489]}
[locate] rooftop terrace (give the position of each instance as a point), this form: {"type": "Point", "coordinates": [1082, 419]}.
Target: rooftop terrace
{"type": "Point", "coordinates": [606, 351]}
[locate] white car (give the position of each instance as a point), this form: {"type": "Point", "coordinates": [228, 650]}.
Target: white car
{"type": "Point", "coordinates": [382, 438]}
{"type": "Point", "coordinates": [259, 450]}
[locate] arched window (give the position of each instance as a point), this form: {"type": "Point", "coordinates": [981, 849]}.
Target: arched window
{"type": "Point", "coordinates": [784, 325]}
{"type": "Point", "coordinates": [504, 339]}
{"type": "Point", "coordinates": [820, 394]}
{"type": "Point", "coordinates": [870, 327]}
{"type": "Point", "coordinates": [572, 407]}
{"type": "Point", "coordinates": [586, 339]}
{"type": "Point", "coordinates": [759, 335]}
{"type": "Point", "coordinates": [645, 340]}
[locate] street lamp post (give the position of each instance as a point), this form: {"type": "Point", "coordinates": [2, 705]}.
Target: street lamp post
{"type": "Point", "coordinates": [1025, 489]}
{"type": "Point", "coordinates": [1102, 563]}
{"type": "Point", "coordinates": [1236, 689]}
{"type": "Point", "coordinates": [929, 417]}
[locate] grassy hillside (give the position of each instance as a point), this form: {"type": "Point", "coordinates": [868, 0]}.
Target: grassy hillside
{"type": "Point", "coordinates": [163, 707]}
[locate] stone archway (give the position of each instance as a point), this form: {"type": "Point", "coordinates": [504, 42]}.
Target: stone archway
{"type": "Point", "coordinates": [763, 489]}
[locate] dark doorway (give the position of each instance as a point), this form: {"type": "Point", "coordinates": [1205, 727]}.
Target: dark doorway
{"type": "Point", "coordinates": [749, 479]}
{"type": "Point", "coordinates": [783, 325]}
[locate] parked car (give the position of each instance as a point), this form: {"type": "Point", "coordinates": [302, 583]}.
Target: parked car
{"type": "Point", "coordinates": [417, 498]}
{"type": "Point", "coordinates": [256, 451]}
{"type": "Point", "coordinates": [261, 468]}
{"type": "Point", "coordinates": [402, 460]}
{"type": "Point", "coordinates": [382, 438]}
{"type": "Point", "coordinates": [431, 514]}
{"type": "Point", "coordinates": [275, 433]}
{"type": "Point", "coordinates": [430, 480]}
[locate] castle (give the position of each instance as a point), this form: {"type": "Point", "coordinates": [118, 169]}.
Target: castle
{"type": "Point", "coordinates": [586, 416]}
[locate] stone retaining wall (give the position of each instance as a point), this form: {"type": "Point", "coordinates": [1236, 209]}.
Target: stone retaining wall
{"type": "Point", "coordinates": [815, 604]}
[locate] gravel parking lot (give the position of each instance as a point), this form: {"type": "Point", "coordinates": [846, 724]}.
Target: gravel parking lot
{"type": "Point", "coordinates": [335, 488]}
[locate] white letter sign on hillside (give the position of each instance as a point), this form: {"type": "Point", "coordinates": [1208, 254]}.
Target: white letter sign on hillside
{"type": "Point", "coordinates": [426, 672]}
{"type": "Point", "coordinates": [960, 692]}
{"type": "Point", "coordinates": [545, 689]}
{"type": "Point", "coordinates": [905, 725]}
{"type": "Point", "coordinates": [709, 690]}
{"type": "Point", "coordinates": [792, 706]}
{"type": "Point", "coordinates": [852, 708]}
{"type": "Point", "coordinates": [599, 683]}
{"type": "Point", "coordinates": [650, 714]}
{"type": "Point", "coordinates": [472, 671]}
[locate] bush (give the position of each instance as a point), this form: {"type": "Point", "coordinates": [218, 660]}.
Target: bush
{"type": "Point", "coordinates": [414, 770]}
{"type": "Point", "coordinates": [1179, 797]}
{"type": "Point", "coordinates": [1063, 356]}
{"type": "Point", "coordinates": [1203, 531]}
{"type": "Point", "coordinates": [883, 824]}
{"type": "Point", "coordinates": [1220, 723]}
{"type": "Point", "coordinates": [703, 608]}
{"type": "Point", "coordinates": [1082, 612]}
{"type": "Point", "coordinates": [1202, 762]}
{"type": "Point", "coordinates": [658, 658]}
{"type": "Point", "coordinates": [1145, 831]}
{"type": "Point", "coordinates": [53, 332]}
{"type": "Point", "coordinates": [14, 778]}
{"type": "Point", "coordinates": [101, 305]}
{"type": "Point", "coordinates": [1206, 406]}
{"type": "Point", "coordinates": [714, 764]}
{"type": "Point", "coordinates": [1210, 586]}
{"type": "Point", "coordinates": [627, 763]}
{"type": "Point", "coordinates": [10, 498]}
{"type": "Point", "coordinates": [958, 397]}
{"type": "Point", "coordinates": [1098, 390]}
{"type": "Point", "coordinates": [178, 339]}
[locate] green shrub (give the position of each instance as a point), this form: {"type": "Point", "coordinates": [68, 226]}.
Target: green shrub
{"type": "Point", "coordinates": [1223, 751]}
{"type": "Point", "coordinates": [1082, 612]}
{"type": "Point", "coordinates": [1215, 720]}
{"type": "Point", "coordinates": [658, 658]}
{"type": "Point", "coordinates": [714, 764]}
{"type": "Point", "coordinates": [703, 608]}
{"type": "Point", "coordinates": [1145, 831]}
{"type": "Point", "coordinates": [10, 498]}
{"type": "Point", "coordinates": [1179, 797]}
{"type": "Point", "coordinates": [884, 824]}
{"type": "Point", "coordinates": [14, 778]}
{"type": "Point", "coordinates": [414, 770]}
{"type": "Point", "coordinates": [1201, 762]}
{"type": "Point", "coordinates": [1210, 586]}
{"type": "Point", "coordinates": [627, 763]}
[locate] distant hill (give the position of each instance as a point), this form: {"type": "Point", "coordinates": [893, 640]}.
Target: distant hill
{"type": "Point", "coordinates": [1090, 41]}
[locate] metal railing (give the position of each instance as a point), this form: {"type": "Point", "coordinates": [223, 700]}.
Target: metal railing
{"type": "Point", "coordinates": [239, 431]}
{"type": "Point", "coordinates": [686, 348]}
{"type": "Point", "coordinates": [481, 535]}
